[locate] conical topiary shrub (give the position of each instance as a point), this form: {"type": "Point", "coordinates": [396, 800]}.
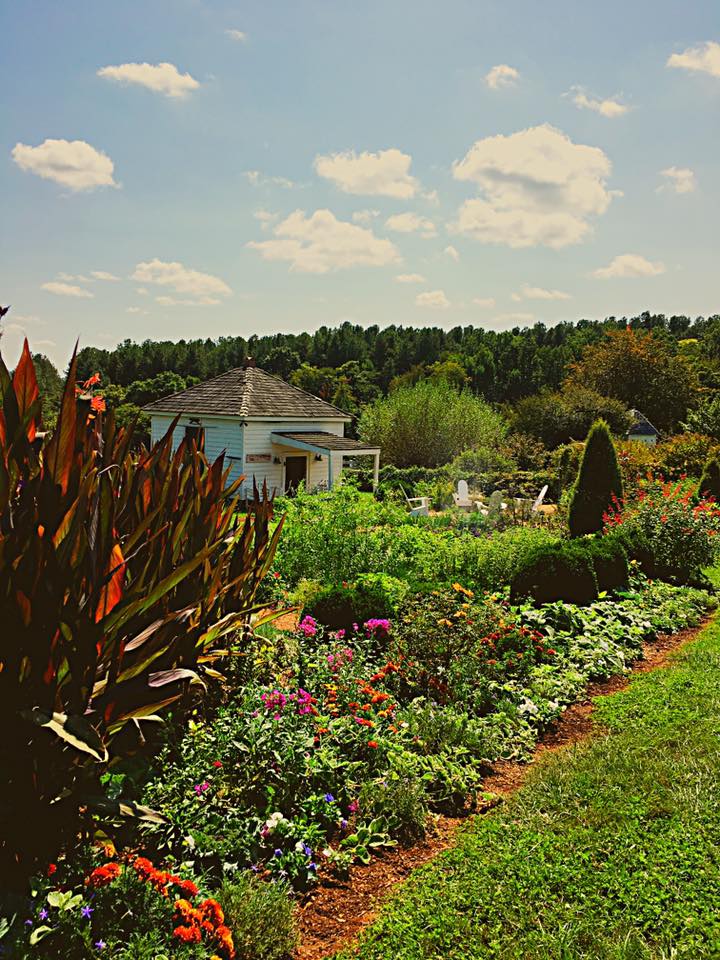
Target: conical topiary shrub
{"type": "Point", "coordinates": [597, 481]}
{"type": "Point", "coordinates": [710, 481]}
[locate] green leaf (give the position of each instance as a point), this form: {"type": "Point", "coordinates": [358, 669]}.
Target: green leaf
{"type": "Point", "coordinates": [39, 933]}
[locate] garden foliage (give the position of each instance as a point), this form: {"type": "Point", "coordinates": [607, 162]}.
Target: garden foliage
{"type": "Point", "coordinates": [598, 480]}
{"type": "Point", "coordinates": [117, 573]}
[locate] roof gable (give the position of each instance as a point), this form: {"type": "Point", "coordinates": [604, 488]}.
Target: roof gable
{"type": "Point", "coordinates": [247, 392]}
{"type": "Point", "coordinates": [641, 426]}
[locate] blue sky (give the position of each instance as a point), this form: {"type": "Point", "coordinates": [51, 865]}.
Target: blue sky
{"type": "Point", "coordinates": [508, 161]}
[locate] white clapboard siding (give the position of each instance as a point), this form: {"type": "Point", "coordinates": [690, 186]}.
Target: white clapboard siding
{"type": "Point", "coordinates": [257, 442]}
{"type": "Point", "coordinates": [221, 436]}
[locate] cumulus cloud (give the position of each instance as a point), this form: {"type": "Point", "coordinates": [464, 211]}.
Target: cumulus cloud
{"type": "Point", "coordinates": [451, 252]}
{"type": "Point", "coordinates": [104, 275]}
{"type": "Point", "coordinates": [630, 265]}
{"type": "Point", "coordinates": [410, 278]}
{"type": "Point", "coordinates": [679, 179]}
{"type": "Point", "coordinates": [162, 78]}
{"type": "Point", "coordinates": [539, 188]}
{"type": "Point", "coordinates": [72, 163]}
{"type": "Point", "coordinates": [502, 75]}
{"type": "Point", "coordinates": [365, 216]}
{"type": "Point", "coordinates": [321, 243]}
{"type": "Point", "coordinates": [258, 179]}
{"type": "Point", "coordinates": [705, 58]}
{"type": "Point", "coordinates": [201, 289]}
{"type": "Point", "coordinates": [411, 223]}
{"type": "Point", "coordinates": [610, 107]}
{"type": "Point", "coordinates": [435, 299]}
{"type": "Point", "coordinates": [238, 35]}
{"type": "Point", "coordinates": [66, 290]}
{"type": "Point", "coordinates": [540, 293]}
{"type": "Point", "coordinates": [382, 174]}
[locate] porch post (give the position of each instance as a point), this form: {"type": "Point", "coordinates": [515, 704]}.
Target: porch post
{"type": "Point", "coordinates": [376, 470]}
{"type": "Point", "coordinates": [330, 471]}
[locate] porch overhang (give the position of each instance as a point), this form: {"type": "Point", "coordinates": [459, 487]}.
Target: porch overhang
{"type": "Point", "coordinates": [328, 445]}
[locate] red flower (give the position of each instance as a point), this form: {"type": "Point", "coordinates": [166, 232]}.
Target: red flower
{"type": "Point", "coordinates": [102, 876]}
{"type": "Point", "coordinates": [185, 886]}
{"type": "Point", "coordinates": [217, 763]}
{"type": "Point", "coordinates": [52, 867]}
{"type": "Point", "coordinates": [373, 744]}
{"type": "Point", "coordinates": [188, 934]}
{"type": "Point", "coordinates": [98, 405]}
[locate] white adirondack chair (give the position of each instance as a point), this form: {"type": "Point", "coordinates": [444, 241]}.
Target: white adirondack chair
{"type": "Point", "coordinates": [419, 506]}
{"type": "Point", "coordinates": [495, 504]}
{"type": "Point", "coordinates": [539, 501]}
{"type": "Point", "coordinates": [462, 497]}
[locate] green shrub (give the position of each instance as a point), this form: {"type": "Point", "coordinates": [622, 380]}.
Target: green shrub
{"type": "Point", "coordinates": [400, 801]}
{"type": "Point", "coordinates": [710, 481]}
{"type": "Point", "coordinates": [610, 562]}
{"type": "Point", "coordinates": [598, 481]}
{"type": "Point", "coordinates": [260, 916]}
{"type": "Point", "coordinates": [372, 595]}
{"type": "Point", "coordinates": [564, 572]}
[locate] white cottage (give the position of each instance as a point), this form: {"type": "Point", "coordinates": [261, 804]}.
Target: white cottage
{"type": "Point", "coordinates": [268, 429]}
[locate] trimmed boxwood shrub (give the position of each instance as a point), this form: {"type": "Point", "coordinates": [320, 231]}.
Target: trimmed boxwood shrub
{"type": "Point", "coordinates": [610, 562]}
{"type": "Point", "coordinates": [561, 572]}
{"type": "Point", "coordinates": [598, 480]}
{"type": "Point", "coordinates": [710, 481]}
{"type": "Point", "coordinates": [372, 595]}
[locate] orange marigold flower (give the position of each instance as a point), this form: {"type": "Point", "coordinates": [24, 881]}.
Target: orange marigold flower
{"type": "Point", "coordinates": [185, 886]}
{"type": "Point", "coordinates": [211, 910]}
{"type": "Point", "coordinates": [102, 876]}
{"type": "Point", "coordinates": [373, 744]}
{"type": "Point", "coordinates": [188, 934]}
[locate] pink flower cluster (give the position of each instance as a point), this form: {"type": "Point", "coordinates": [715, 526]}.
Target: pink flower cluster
{"type": "Point", "coordinates": [380, 628]}
{"type": "Point", "coordinates": [336, 661]}
{"type": "Point", "coordinates": [276, 701]}
{"type": "Point", "coordinates": [308, 626]}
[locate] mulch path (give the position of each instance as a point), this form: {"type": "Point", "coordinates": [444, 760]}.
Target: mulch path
{"type": "Point", "coordinates": [333, 915]}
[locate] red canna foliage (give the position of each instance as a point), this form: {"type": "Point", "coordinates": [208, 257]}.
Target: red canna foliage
{"type": "Point", "coordinates": [119, 570]}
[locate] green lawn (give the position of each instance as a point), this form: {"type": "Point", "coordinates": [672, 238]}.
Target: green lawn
{"type": "Point", "coordinates": [610, 852]}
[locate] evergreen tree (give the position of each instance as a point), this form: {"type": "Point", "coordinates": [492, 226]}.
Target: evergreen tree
{"type": "Point", "coordinates": [597, 481]}
{"type": "Point", "coordinates": [710, 481]}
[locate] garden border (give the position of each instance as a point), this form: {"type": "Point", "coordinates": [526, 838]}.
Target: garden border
{"type": "Point", "coordinates": [333, 915]}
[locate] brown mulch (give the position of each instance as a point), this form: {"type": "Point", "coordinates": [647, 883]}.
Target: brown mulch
{"type": "Point", "coordinates": [333, 915]}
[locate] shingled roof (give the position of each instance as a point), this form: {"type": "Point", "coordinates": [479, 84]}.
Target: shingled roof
{"type": "Point", "coordinates": [247, 392]}
{"type": "Point", "coordinates": [641, 426]}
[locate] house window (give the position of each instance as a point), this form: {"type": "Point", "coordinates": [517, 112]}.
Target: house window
{"type": "Point", "coordinates": [194, 432]}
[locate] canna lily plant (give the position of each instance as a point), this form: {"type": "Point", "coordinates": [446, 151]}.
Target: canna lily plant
{"type": "Point", "coordinates": [120, 571]}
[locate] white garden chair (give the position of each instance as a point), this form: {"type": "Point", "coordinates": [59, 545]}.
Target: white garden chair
{"type": "Point", "coordinates": [541, 496]}
{"type": "Point", "coordinates": [419, 506]}
{"type": "Point", "coordinates": [462, 497]}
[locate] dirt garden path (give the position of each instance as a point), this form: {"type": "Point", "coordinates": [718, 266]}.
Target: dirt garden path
{"type": "Point", "coordinates": [333, 915]}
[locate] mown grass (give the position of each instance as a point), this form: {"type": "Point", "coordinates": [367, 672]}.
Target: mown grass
{"type": "Point", "coordinates": [611, 851]}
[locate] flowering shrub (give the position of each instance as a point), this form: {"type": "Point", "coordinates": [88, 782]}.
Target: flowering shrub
{"type": "Point", "coordinates": [679, 531]}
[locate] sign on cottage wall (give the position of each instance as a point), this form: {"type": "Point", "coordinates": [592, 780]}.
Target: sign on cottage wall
{"type": "Point", "coordinates": [258, 458]}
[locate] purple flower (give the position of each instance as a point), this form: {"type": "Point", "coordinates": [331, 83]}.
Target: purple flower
{"type": "Point", "coordinates": [254, 867]}
{"type": "Point", "coordinates": [28, 923]}
{"type": "Point", "coordinates": [100, 944]}
{"type": "Point", "coordinates": [307, 850]}
{"type": "Point", "coordinates": [343, 824]}
{"type": "Point", "coordinates": [329, 797]}
{"type": "Point", "coordinates": [312, 866]}
{"type": "Point", "coordinates": [277, 853]}
{"type": "Point", "coordinates": [87, 911]}
{"type": "Point", "coordinates": [43, 914]}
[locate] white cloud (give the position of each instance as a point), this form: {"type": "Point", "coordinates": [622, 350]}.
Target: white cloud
{"type": "Point", "coordinates": [136, 310]}
{"type": "Point", "coordinates": [410, 278]}
{"type": "Point", "coordinates": [502, 75]}
{"type": "Point", "coordinates": [66, 290]}
{"type": "Point", "coordinates": [452, 253]}
{"type": "Point", "coordinates": [484, 301]}
{"type": "Point", "coordinates": [162, 78]}
{"type": "Point", "coordinates": [411, 223]}
{"type": "Point", "coordinates": [610, 107]}
{"type": "Point", "coordinates": [72, 163]}
{"type": "Point", "coordinates": [258, 179]}
{"type": "Point", "coordinates": [435, 299]}
{"type": "Point", "coordinates": [104, 275]}
{"type": "Point", "coordinates": [236, 35]}
{"type": "Point", "coordinates": [432, 197]}
{"type": "Point", "coordinates": [201, 288]}
{"type": "Point", "coordinates": [705, 58]}
{"type": "Point", "coordinates": [540, 293]}
{"type": "Point", "coordinates": [539, 188]}
{"type": "Point", "coordinates": [166, 301]}
{"type": "Point", "coordinates": [74, 277]}
{"type": "Point", "coordinates": [382, 174]}
{"type": "Point", "coordinates": [265, 217]}
{"type": "Point", "coordinates": [514, 318]}
{"type": "Point", "coordinates": [321, 243]}
{"type": "Point", "coordinates": [630, 265]}
{"type": "Point", "coordinates": [679, 179]}
{"type": "Point", "coordinates": [365, 216]}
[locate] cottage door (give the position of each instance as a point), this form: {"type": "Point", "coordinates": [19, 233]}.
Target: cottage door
{"type": "Point", "coordinates": [295, 473]}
